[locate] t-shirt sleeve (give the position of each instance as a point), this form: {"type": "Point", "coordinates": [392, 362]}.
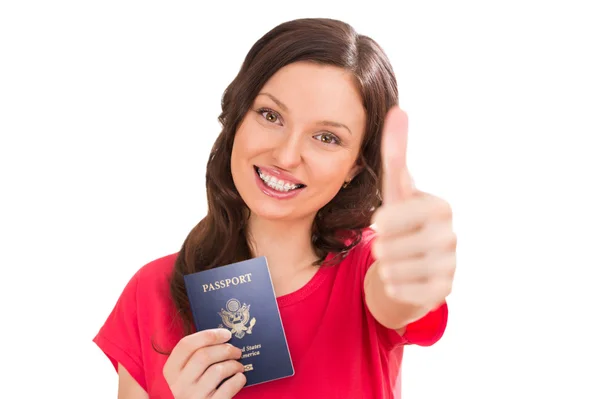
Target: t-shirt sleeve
{"type": "Point", "coordinates": [425, 331]}
{"type": "Point", "coordinates": [119, 336]}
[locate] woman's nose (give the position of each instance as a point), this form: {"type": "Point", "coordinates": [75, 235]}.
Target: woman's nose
{"type": "Point", "coordinates": [288, 152]}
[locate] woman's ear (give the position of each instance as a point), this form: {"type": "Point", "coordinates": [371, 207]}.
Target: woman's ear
{"type": "Point", "coordinates": [356, 169]}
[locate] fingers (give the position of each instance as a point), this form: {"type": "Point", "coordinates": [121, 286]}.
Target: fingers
{"type": "Point", "coordinates": [205, 357]}
{"type": "Point", "coordinates": [434, 237]}
{"type": "Point", "coordinates": [419, 270]}
{"type": "Point", "coordinates": [405, 217]}
{"type": "Point", "coordinates": [397, 183]}
{"type": "Point", "coordinates": [230, 387]}
{"type": "Point", "coordinates": [419, 294]}
{"type": "Point", "coordinates": [186, 347]}
{"type": "Point", "coordinates": [215, 374]}
{"type": "Point", "coordinates": [199, 364]}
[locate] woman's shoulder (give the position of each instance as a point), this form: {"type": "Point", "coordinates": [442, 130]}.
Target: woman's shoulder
{"type": "Point", "coordinates": [157, 271]}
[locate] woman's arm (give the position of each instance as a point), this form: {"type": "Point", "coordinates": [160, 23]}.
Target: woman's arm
{"type": "Point", "coordinates": [128, 386]}
{"type": "Point", "coordinates": [391, 314]}
{"type": "Point", "coordinates": [415, 247]}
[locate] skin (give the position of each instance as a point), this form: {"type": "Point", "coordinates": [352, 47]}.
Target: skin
{"type": "Point", "coordinates": [195, 368]}
{"type": "Point", "coordinates": [415, 244]}
{"type": "Point", "coordinates": [415, 247]}
{"type": "Point", "coordinates": [291, 137]}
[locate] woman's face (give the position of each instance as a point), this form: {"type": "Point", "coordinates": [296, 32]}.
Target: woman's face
{"type": "Point", "coordinates": [299, 141]}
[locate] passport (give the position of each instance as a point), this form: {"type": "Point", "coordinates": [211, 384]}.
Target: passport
{"type": "Point", "coordinates": [240, 297]}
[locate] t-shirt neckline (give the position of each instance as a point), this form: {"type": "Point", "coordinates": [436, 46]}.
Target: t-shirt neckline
{"type": "Point", "coordinates": [311, 286]}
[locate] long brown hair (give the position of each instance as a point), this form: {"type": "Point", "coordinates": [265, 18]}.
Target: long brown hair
{"type": "Point", "coordinates": [220, 238]}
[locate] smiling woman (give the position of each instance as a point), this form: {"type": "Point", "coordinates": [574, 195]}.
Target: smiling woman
{"type": "Point", "coordinates": [296, 175]}
{"type": "Point", "coordinates": [296, 138]}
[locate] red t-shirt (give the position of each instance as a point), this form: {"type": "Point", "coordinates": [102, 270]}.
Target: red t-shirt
{"type": "Point", "coordinates": [338, 349]}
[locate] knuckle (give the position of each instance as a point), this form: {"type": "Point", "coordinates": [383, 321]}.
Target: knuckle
{"type": "Point", "coordinates": [225, 369]}
{"type": "Point", "coordinates": [198, 360]}
{"type": "Point", "coordinates": [447, 242]}
{"type": "Point", "coordinates": [187, 343]}
{"type": "Point", "coordinates": [441, 289]}
{"type": "Point", "coordinates": [232, 351]}
{"type": "Point", "coordinates": [219, 370]}
{"type": "Point", "coordinates": [210, 335]}
{"type": "Point", "coordinates": [453, 240]}
{"type": "Point", "coordinates": [442, 206]}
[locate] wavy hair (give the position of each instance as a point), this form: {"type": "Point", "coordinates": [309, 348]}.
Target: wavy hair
{"type": "Point", "coordinates": [220, 238]}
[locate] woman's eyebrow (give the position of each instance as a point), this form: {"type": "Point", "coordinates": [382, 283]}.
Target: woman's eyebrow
{"type": "Point", "coordinates": [275, 100]}
{"type": "Point", "coordinates": [335, 124]}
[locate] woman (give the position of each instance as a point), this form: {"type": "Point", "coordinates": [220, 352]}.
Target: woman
{"type": "Point", "coordinates": [302, 164]}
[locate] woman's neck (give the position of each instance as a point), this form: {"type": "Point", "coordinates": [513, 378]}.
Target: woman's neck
{"type": "Point", "coordinates": [286, 245]}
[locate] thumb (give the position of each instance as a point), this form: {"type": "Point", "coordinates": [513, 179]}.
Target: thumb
{"type": "Point", "coordinates": [397, 183]}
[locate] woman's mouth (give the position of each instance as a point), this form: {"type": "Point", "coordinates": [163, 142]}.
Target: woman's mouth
{"type": "Point", "coordinates": [277, 184]}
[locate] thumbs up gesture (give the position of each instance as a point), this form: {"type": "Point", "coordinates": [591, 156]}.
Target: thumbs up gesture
{"type": "Point", "coordinates": [415, 246]}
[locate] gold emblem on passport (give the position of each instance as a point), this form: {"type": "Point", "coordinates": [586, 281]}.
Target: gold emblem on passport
{"type": "Point", "coordinates": [236, 317]}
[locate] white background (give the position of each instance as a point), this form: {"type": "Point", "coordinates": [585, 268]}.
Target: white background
{"type": "Point", "coordinates": [108, 111]}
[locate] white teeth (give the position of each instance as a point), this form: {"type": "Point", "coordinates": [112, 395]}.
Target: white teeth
{"type": "Point", "coordinates": [276, 183]}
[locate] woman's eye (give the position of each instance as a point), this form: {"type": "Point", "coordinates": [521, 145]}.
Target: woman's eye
{"type": "Point", "coordinates": [327, 138]}
{"type": "Point", "coordinates": [270, 116]}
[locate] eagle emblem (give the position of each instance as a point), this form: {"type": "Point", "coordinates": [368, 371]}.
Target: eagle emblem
{"type": "Point", "coordinates": [235, 318]}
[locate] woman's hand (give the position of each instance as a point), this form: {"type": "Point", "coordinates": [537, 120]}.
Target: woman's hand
{"type": "Point", "coordinates": [200, 362]}
{"type": "Point", "coordinates": [415, 247]}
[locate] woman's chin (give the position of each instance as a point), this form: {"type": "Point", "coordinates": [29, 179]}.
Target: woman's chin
{"type": "Point", "coordinates": [271, 212]}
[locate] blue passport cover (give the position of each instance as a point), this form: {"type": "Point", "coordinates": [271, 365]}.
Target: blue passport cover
{"type": "Point", "coordinates": [241, 298]}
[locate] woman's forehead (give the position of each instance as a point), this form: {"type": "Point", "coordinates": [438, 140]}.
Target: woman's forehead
{"type": "Point", "coordinates": [317, 92]}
